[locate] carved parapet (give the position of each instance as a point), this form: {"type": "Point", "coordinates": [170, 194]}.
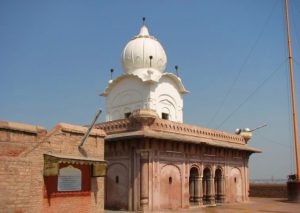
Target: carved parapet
{"type": "Point", "coordinates": [149, 119]}
{"type": "Point", "coordinates": [190, 130]}
{"type": "Point", "coordinates": [116, 126]}
{"type": "Point", "coordinates": [247, 135]}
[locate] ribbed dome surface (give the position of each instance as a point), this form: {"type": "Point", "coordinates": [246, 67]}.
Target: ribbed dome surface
{"type": "Point", "coordinates": [136, 54]}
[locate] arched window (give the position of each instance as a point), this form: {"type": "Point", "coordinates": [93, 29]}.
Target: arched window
{"type": "Point", "coordinates": [165, 116]}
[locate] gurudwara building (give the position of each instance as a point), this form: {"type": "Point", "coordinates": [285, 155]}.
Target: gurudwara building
{"type": "Point", "coordinates": [155, 161]}
{"type": "Point", "coordinates": [143, 158]}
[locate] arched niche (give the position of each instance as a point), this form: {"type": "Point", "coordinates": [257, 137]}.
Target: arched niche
{"type": "Point", "coordinates": [170, 187]}
{"type": "Point", "coordinates": [117, 187]}
{"type": "Point", "coordinates": [166, 105]}
{"type": "Point", "coordinates": [236, 186]}
{"type": "Point", "coordinates": [69, 179]}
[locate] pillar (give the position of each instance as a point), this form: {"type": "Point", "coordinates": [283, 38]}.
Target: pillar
{"type": "Point", "coordinates": [144, 187]}
{"type": "Point", "coordinates": [222, 190]}
{"type": "Point", "coordinates": [192, 188]}
{"type": "Point", "coordinates": [219, 189]}
{"type": "Point", "coordinates": [206, 190]}
{"type": "Point", "coordinates": [201, 189]}
{"type": "Point", "coordinates": [198, 190]}
{"type": "Point", "coordinates": [211, 190]}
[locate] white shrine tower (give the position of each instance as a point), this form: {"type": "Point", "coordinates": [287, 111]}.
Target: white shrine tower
{"type": "Point", "coordinates": [144, 84]}
{"type": "Point", "coordinates": [154, 160]}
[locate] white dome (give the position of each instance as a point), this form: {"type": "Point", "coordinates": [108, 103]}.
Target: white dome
{"type": "Point", "coordinates": [136, 54]}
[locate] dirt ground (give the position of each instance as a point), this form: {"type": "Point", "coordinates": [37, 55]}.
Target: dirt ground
{"type": "Point", "coordinates": [269, 205]}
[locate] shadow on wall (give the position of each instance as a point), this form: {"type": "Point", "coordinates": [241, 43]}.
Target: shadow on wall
{"type": "Point", "coordinates": [117, 186]}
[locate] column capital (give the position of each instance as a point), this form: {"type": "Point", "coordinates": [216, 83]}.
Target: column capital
{"type": "Point", "coordinates": [144, 154]}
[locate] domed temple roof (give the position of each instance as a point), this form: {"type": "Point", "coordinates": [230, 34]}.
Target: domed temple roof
{"type": "Point", "coordinates": [116, 81]}
{"type": "Point", "coordinates": [142, 53]}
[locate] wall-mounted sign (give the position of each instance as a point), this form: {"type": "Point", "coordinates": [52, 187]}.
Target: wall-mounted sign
{"type": "Point", "coordinates": [52, 161]}
{"type": "Point", "coordinates": [69, 179]}
{"type": "Point", "coordinates": [50, 166]}
{"type": "Point", "coordinates": [99, 169]}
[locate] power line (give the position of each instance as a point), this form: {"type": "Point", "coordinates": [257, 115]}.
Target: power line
{"type": "Point", "coordinates": [249, 96]}
{"type": "Point", "coordinates": [294, 6]}
{"type": "Point", "coordinates": [271, 140]}
{"type": "Point", "coordinates": [296, 62]}
{"type": "Point", "coordinates": [295, 31]}
{"type": "Point", "coordinates": [242, 66]}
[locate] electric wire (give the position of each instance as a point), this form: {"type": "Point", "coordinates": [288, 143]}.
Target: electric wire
{"type": "Point", "coordinates": [241, 69]}
{"type": "Point", "coordinates": [296, 62]}
{"type": "Point", "coordinates": [252, 93]}
{"type": "Point", "coordinates": [295, 33]}
{"type": "Point", "coordinates": [270, 140]}
{"type": "Point", "coordinates": [295, 6]}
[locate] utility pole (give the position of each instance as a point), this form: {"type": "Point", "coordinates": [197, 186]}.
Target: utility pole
{"type": "Point", "coordinates": [292, 90]}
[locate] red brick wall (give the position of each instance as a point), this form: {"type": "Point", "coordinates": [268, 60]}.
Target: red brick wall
{"type": "Point", "coordinates": [76, 204]}
{"type": "Point", "coordinates": [22, 184]}
{"type": "Point", "coordinates": [15, 184]}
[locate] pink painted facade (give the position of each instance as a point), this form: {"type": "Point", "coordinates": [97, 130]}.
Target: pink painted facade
{"type": "Point", "coordinates": [156, 164]}
{"type": "Point", "coordinates": [155, 161]}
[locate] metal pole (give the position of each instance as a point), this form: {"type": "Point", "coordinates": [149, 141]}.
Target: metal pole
{"type": "Point", "coordinates": [292, 89]}
{"type": "Point", "coordinates": [111, 73]}
{"type": "Point", "coordinates": [90, 128]}
{"type": "Point", "coordinates": [262, 126]}
{"type": "Point", "coordinates": [150, 57]}
{"type": "Point", "coordinates": [176, 69]}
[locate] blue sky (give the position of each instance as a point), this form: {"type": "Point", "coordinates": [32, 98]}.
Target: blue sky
{"type": "Point", "coordinates": [55, 58]}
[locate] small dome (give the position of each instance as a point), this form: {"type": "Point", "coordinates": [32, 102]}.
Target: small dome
{"type": "Point", "coordinates": [136, 54]}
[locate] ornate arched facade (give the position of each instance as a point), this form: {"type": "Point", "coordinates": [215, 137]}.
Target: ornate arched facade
{"type": "Point", "coordinates": [166, 164]}
{"type": "Point", "coordinates": [170, 166]}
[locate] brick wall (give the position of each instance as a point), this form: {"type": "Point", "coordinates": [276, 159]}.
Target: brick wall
{"type": "Point", "coordinates": [15, 182]}
{"type": "Point", "coordinates": [268, 190]}
{"type": "Point", "coordinates": [22, 184]}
